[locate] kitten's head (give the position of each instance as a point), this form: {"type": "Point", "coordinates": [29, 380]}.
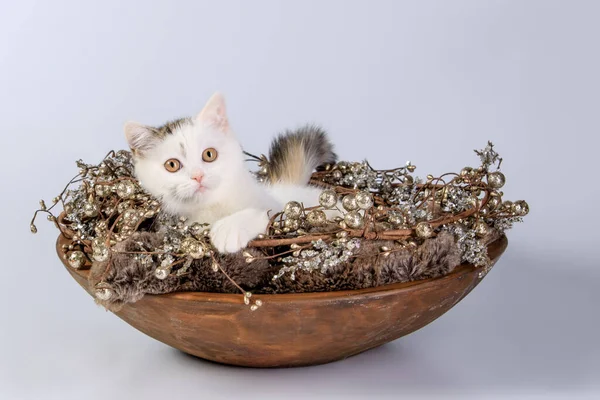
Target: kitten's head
{"type": "Point", "coordinates": [188, 163]}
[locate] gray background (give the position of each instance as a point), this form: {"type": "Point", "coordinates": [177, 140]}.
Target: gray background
{"type": "Point", "coordinates": [426, 81]}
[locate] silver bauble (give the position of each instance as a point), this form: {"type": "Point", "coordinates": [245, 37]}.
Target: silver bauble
{"type": "Point", "coordinates": [353, 219]}
{"type": "Point", "coordinates": [507, 206]}
{"type": "Point", "coordinates": [125, 189]}
{"type": "Point", "coordinates": [328, 199]}
{"type": "Point", "coordinates": [162, 273]}
{"type": "Point", "coordinates": [291, 224]}
{"type": "Point", "coordinates": [521, 207]}
{"type": "Point", "coordinates": [76, 259]}
{"type": "Point", "coordinates": [396, 218]}
{"type": "Point", "coordinates": [196, 229]}
{"type": "Point", "coordinates": [349, 202]}
{"type": "Point", "coordinates": [496, 179]}
{"type": "Point", "coordinates": [292, 209]}
{"type": "Point", "coordinates": [364, 200]}
{"type": "Point", "coordinates": [424, 230]}
{"type": "Point", "coordinates": [90, 210]}
{"type": "Point", "coordinates": [316, 218]}
{"type": "Point", "coordinates": [494, 202]}
{"type": "Point", "coordinates": [481, 229]}
{"type": "Point", "coordinates": [103, 291]}
{"type": "Point", "coordinates": [101, 253]}
{"type": "Point", "coordinates": [101, 190]}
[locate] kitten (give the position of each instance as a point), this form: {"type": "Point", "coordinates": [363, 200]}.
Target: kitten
{"type": "Point", "coordinates": [195, 166]}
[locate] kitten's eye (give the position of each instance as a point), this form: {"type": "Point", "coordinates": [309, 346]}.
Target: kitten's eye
{"type": "Point", "coordinates": [173, 165]}
{"type": "Point", "coordinates": [209, 155]}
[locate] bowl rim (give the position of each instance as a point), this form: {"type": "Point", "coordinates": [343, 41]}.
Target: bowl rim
{"type": "Point", "coordinates": [495, 250]}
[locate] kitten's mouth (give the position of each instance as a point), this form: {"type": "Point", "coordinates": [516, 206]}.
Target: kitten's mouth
{"type": "Point", "coordinates": [190, 196]}
{"type": "Point", "coordinates": [200, 189]}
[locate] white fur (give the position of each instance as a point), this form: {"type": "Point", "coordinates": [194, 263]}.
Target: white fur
{"type": "Point", "coordinates": [232, 201]}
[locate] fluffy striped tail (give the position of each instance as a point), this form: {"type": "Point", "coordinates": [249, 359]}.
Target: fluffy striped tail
{"type": "Point", "coordinates": [295, 155]}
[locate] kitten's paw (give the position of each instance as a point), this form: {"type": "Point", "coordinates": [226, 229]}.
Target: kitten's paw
{"type": "Point", "coordinates": [232, 233]}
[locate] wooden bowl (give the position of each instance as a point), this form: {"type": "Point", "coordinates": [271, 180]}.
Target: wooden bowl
{"type": "Point", "coordinates": [295, 329]}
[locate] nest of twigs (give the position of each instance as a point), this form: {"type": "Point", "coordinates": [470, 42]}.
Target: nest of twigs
{"type": "Point", "coordinates": [393, 227]}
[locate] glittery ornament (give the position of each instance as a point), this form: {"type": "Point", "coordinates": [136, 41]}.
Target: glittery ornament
{"type": "Point", "coordinates": [198, 251]}
{"type": "Point", "coordinates": [162, 273]}
{"type": "Point", "coordinates": [125, 189]}
{"type": "Point", "coordinates": [496, 179]}
{"type": "Point", "coordinates": [103, 169]}
{"type": "Point", "coordinates": [150, 214]}
{"type": "Point", "coordinates": [101, 190]}
{"type": "Point", "coordinates": [186, 244]}
{"type": "Point", "coordinates": [316, 218]}
{"type": "Point", "coordinates": [215, 266]}
{"type": "Point", "coordinates": [103, 294]}
{"type": "Point", "coordinates": [76, 259]}
{"type": "Point", "coordinates": [493, 203]}
{"type": "Point", "coordinates": [249, 259]}
{"type": "Point", "coordinates": [130, 215]}
{"type": "Point", "coordinates": [328, 199]}
{"type": "Point", "coordinates": [123, 206]}
{"type": "Point", "coordinates": [349, 202]}
{"type": "Point", "coordinates": [292, 209]}
{"type": "Point", "coordinates": [321, 257]}
{"type": "Point", "coordinates": [521, 208]}
{"type": "Point", "coordinates": [291, 224]}
{"type": "Point", "coordinates": [424, 230]}
{"type": "Point", "coordinates": [101, 253]}
{"type": "Point", "coordinates": [196, 229]}
{"type": "Point", "coordinates": [481, 229]}
{"type": "Point", "coordinates": [488, 156]}
{"type": "Point", "coordinates": [90, 210]}
{"type": "Point", "coordinates": [101, 227]}
{"type": "Point", "coordinates": [353, 219]}
{"type": "Point", "coordinates": [507, 206]}
{"type": "Point", "coordinates": [68, 208]}
{"type": "Point", "coordinates": [193, 248]}
{"type": "Point", "coordinates": [364, 200]}
{"type": "Point", "coordinates": [395, 218]}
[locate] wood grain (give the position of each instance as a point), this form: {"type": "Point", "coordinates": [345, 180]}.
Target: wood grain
{"type": "Point", "coordinates": [295, 329]}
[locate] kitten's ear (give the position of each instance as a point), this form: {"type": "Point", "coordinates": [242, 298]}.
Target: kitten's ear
{"type": "Point", "coordinates": [139, 137]}
{"type": "Point", "coordinates": [215, 113]}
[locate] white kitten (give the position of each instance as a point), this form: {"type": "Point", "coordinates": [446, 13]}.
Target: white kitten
{"type": "Point", "coordinates": [195, 166]}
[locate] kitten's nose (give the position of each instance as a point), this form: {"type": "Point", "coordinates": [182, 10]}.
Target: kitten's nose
{"type": "Point", "coordinates": [198, 177]}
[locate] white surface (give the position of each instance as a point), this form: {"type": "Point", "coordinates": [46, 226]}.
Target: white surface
{"type": "Point", "coordinates": [391, 81]}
